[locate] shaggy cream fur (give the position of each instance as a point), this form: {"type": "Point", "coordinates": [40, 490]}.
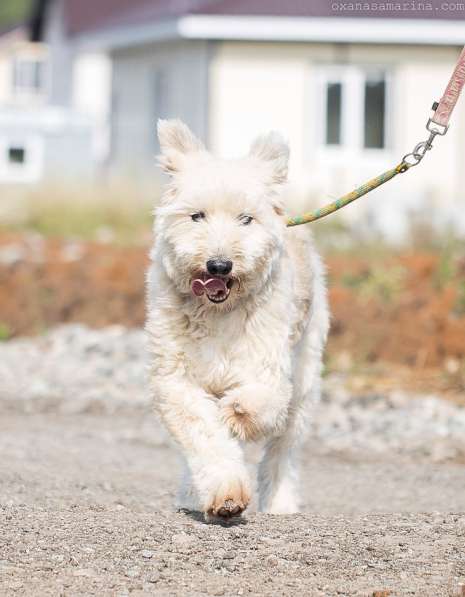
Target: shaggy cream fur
{"type": "Point", "coordinates": [247, 368]}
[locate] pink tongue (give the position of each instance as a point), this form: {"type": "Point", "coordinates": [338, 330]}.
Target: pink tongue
{"type": "Point", "coordinates": [211, 286]}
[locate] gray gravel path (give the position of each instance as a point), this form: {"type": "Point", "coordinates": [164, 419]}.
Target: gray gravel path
{"type": "Point", "coordinates": [87, 479]}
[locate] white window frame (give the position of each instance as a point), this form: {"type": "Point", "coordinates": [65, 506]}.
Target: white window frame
{"type": "Point", "coordinates": [28, 172]}
{"type": "Point", "coordinates": [352, 79]}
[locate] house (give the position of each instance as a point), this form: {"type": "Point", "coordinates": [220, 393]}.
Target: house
{"type": "Point", "coordinates": [350, 84]}
{"type": "Point", "coordinates": [40, 137]}
{"type": "Point", "coordinates": [22, 87]}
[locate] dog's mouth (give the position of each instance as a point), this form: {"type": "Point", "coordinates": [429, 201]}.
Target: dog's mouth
{"type": "Point", "coordinates": [216, 288]}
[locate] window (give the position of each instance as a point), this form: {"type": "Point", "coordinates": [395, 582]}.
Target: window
{"type": "Point", "coordinates": [21, 159]}
{"type": "Point", "coordinates": [28, 75]}
{"type": "Point", "coordinates": [354, 106]}
{"type": "Point", "coordinates": [374, 117]}
{"type": "Point", "coordinates": [16, 155]}
{"type": "Point", "coordinates": [333, 113]}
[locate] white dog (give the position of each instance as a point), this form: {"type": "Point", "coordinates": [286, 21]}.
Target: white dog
{"type": "Point", "coordinates": [237, 322]}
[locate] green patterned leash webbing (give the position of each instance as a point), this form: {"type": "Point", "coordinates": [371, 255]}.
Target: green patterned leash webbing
{"type": "Point", "coordinates": [311, 216]}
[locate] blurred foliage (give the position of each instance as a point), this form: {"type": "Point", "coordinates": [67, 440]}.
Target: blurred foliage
{"type": "Point", "coordinates": [121, 212]}
{"type": "Point", "coordinates": [5, 332]}
{"type": "Point", "coordinates": [447, 267]}
{"type": "Point", "coordinates": [460, 303]}
{"type": "Point", "coordinates": [378, 282]}
{"type": "Point", "coordinates": [14, 11]}
{"type": "Point", "coordinates": [110, 213]}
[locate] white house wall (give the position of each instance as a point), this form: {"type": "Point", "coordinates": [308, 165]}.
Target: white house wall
{"type": "Point", "coordinates": [159, 80]}
{"type": "Point", "coordinates": [92, 97]}
{"type": "Point", "coordinates": [8, 45]}
{"type": "Point", "coordinates": [56, 145]}
{"type": "Point", "coordinates": [5, 78]}
{"type": "Point", "coordinates": [255, 87]}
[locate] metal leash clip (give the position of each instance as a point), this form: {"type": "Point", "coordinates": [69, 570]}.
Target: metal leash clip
{"type": "Point", "coordinates": [419, 151]}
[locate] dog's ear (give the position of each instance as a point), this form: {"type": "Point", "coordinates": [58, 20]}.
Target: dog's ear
{"type": "Point", "coordinates": [273, 149]}
{"type": "Point", "coordinates": [176, 141]}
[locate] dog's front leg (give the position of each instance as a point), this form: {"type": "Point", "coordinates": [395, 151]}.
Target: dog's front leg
{"type": "Point", "coordinates": [254, 410]}
{"type": "Point", "coordinates": [215, 459]}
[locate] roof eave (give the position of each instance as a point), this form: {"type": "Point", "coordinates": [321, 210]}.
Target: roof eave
{"type": "Point", "coordinates": [285, 29]}
{"type": "Point", "coordinates": [322, 29]}
{"type": "Point", "coordinates": [128, 36]}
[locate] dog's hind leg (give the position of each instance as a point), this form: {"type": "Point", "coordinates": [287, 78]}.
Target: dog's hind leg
{"type": "Point", "coordinates": [187, 497]}
{"type": "Point", "coordinates": [278, 475]}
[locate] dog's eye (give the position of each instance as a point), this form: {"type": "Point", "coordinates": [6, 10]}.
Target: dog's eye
{"type": "Point", "coordinates": [245, 220]}
{"type": "Point", "coordinates": [200, 215]}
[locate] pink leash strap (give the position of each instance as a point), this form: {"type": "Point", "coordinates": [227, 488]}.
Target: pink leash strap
{"type": "Point", "coordinates": [451, 95]}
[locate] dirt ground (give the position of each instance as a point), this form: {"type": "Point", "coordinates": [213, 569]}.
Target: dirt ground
{"type": "Point", "coordinates": [86, 510]}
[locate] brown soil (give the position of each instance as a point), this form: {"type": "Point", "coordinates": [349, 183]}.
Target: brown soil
{"type": "Point", "coordinates": [421, 322]}
{"type": "Point", "coordinates": [57, 282]}
{"type": "Point", "coordinates": [401, 315]}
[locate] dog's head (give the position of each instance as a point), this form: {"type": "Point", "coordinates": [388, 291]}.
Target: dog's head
{"type": "Point", "coordinates": [220, 222]}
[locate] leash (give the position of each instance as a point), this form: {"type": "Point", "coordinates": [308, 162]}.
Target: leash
{"type": "Point", "coordinates": [438, 124]}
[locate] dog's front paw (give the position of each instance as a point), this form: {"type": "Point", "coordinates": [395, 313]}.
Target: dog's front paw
{"type": "Point", "coordinates": [229, 500]}
{"type": "Point", "coordinates": [251, 412]}
{"type": "Point", "coordinates": [241, 418]}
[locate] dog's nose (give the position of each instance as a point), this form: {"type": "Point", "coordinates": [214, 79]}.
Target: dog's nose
{"type": "Point", "coordinates": [220, 267]}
